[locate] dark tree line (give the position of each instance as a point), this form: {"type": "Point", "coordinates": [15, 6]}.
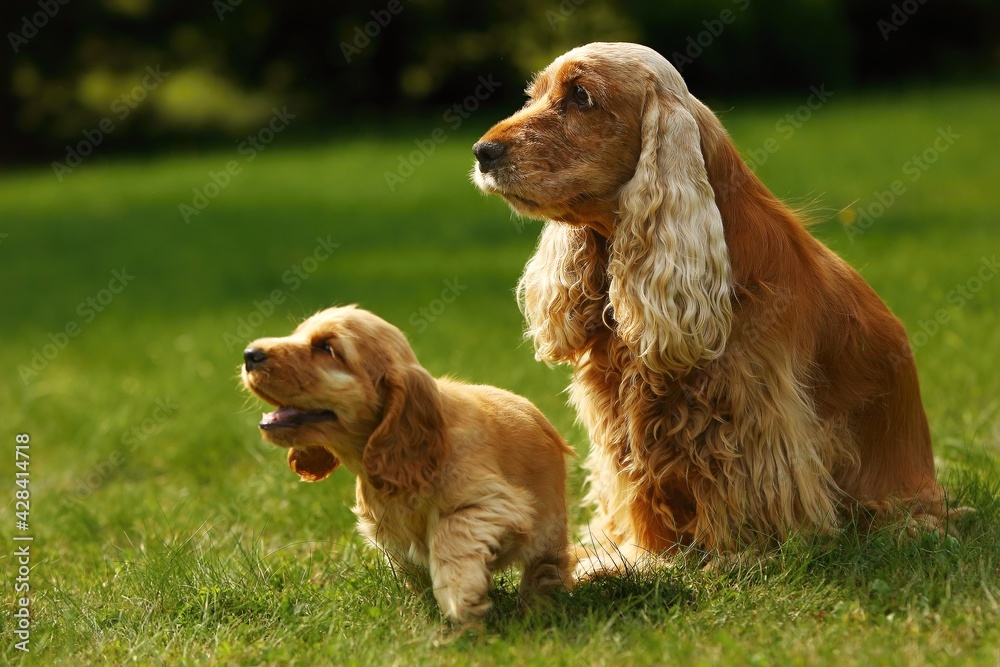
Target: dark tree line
{"type": "Point", "coordinates": [72, 69]}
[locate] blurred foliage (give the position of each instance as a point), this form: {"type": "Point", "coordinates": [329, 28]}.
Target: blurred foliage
{"type": "Point", "coordinates": [227, 63]}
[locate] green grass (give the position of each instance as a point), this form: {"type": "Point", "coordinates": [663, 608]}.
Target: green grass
{"type": "Point", "coordinates": [189, 541]}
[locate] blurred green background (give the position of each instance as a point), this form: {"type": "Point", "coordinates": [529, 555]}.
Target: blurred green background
{"type": "Point", "coordinates": [178, 178]}
{"type": "Point", "coordinates": [227, 63]}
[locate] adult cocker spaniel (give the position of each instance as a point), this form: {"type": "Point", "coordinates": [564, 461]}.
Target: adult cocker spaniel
{"type": "Point", "coordinates": [456, 479]}
{"type": "Point", "coordinates": [738, 379]}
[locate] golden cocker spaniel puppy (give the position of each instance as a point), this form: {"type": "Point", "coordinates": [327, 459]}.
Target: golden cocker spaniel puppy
{"type": "Point", "coordinates": [739, 380]}
{"type": "Point", "coordinates": [456, 479]}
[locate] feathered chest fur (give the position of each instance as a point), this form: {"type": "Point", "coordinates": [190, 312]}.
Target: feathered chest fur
{"type": "Point", "coordinates": [706, 449]}
{"type": "Point", "coordinates": [653, 414]}
{"type": "Point", "coordinates": [398, 526]}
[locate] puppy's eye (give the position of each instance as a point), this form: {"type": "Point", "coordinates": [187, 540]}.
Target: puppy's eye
{"type": "Point", "coordinates": [581, 97]}
{"type": "Point", "coordinates": [327, 348]}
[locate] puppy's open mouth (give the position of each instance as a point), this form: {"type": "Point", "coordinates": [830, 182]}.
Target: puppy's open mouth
{"type": "Point", "coordinates": [288, 417]}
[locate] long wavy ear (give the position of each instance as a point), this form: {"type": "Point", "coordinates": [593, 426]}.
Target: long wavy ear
{"type": "Point", "coordinates": [312, 464]}
{"type": "Point", "coordinates": [405, 452]}
{"type": "Point", "coordinates": [562, 291]}
{"type": "Point", "coordinates": [669, 268]}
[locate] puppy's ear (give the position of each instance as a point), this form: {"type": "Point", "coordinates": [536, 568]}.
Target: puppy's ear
{"type": "Point", "coordinates": [312, 464]}
{"type": "Point", "coordinates": [669, 268]}
{"type": "Point", "coordinates": [405, 452]}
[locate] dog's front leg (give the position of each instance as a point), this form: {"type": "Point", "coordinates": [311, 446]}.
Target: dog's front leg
{"type": "Point", "coordinates": [463, 548]}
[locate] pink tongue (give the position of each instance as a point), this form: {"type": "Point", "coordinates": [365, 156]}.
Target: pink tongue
{"type": "Point", "coordinates": [287, 416]}
{"type": "Point", "coordinates": [278, 415]}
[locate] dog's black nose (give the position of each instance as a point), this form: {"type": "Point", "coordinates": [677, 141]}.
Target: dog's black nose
{"type": "Point", "coordinates": [254, 357]}
{"type": "Point", "coordinates": [487, 153]}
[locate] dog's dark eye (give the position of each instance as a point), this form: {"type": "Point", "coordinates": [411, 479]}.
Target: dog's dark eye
{"type": "Point", "coordinates": [581, 97]}
{"type": "Point", "coordinates": [324, 346]}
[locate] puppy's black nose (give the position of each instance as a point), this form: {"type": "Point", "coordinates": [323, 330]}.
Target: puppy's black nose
{"type": "Point", "coordinates": [254, 357]}
{"type": "Point", "coordinates": [488, 153]}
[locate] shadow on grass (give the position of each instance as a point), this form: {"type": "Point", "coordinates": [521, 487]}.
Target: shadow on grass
{"type": "Point", "coordinates": [890, 570]}
{"type": "Point", "coordinates": [305, 593]}
{"type": "Point", "coordinates": [880, 572]}
{"type": "Point", "coordinates": [648, 595]}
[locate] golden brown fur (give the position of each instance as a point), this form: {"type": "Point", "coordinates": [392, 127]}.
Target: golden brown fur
{"type": "Point", "coordinates": [738, 379]}
{"type": "Point", "coordinates": [457, 479]}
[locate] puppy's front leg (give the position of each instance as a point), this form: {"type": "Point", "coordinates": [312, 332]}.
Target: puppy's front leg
{"type": "Point", "coordinates": [463, 547]}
